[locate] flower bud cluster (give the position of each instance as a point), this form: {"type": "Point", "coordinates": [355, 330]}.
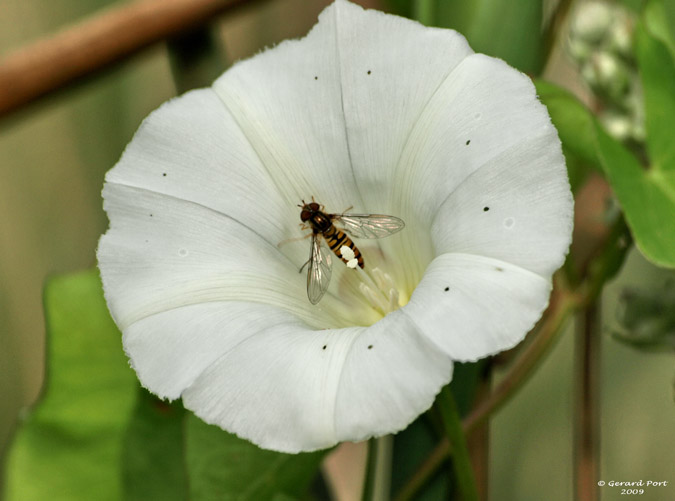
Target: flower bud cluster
{"type": "Point", "coordinates": [601, 44]}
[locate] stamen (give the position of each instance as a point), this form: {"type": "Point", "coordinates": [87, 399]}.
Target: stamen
{"type": "Point", "coordinates": [374, 298]}
{"type": "Point", "coordinates": [393, 299]}
{"type": "Point", "coordinates": [383, 280]}
{"type": "Point", "coordinates": [379, 289]}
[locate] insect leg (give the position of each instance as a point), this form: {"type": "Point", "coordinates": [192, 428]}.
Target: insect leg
{"type": "Point", "coordinates": [303, 266]}
{"type": "Point", "coordinates": [289, 240]}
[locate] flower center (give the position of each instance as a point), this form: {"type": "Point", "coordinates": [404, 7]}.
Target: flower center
{"type": "Point", "coordinates": [378, 288]}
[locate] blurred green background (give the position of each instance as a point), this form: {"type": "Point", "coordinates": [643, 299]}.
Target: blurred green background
{"type": "Point", "coordinates": [53, 157]}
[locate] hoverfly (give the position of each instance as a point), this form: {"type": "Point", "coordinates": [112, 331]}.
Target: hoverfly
{"type": "Point", "coordinates": [357, 225]}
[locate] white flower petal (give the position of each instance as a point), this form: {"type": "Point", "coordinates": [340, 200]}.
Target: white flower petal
{"type": "Point", "coordinates": [475, 306]}
{"type": "Point", "coordinates": [191, 149]}
{"type": "Point", "coordinates": [483, 102]}
{"type": "Point", "coordinates": [291, 389]}
{"type": "Point", "coordinates": [368, 110]}
{"type": "Point", "coordinates": [517, 208]}
{"type": "Point", "coordinates": [162, 253]}
{"type": "Point", "coordinates": [391, 375]}
{"type": "Point", "coordinates": [287, 102]}
{"type": "Point", "coordinates": [344, 100]}
{"type": "Point", "coordinates": [482, 109]}
{"type": "Point", "coordinates": [170, 349]}
{"type": "Point", "coordinates": [390, 68]}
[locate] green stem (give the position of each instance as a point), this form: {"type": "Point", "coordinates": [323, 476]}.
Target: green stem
{"type": "Point", "coordinates": [478, 441]}
{"type": "Point", "coordinates": [424, 11]}
{"type": "Point", "coordinates": [461, 462]}
{"type": "Point", "coordinates": [378, 474]}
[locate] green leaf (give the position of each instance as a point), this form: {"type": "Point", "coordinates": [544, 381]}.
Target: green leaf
{"type": "Point", "coordinates": [633, 5]}
{"type": "Point", "coordinates": [223, 467]}
{"type": "Point", "coordinates": [657, 71]}
{"type": "Point", "coordinates": [511, 31]}
{"type": "Point", "coordinates": [411, 447]}
{"type": "Point", "coordinates": [669, 17]}
{"type": "Point", "coordinates": [466, 377]}
{"type": "Point", "coordinates": [576, 128]}
{"type": "Point", "coordinates": [660, 22]}
{"type": "Point", "coordinates": [70, 447]}
{"type": "Point", "coordinates": [153, 452]}
{"type": "Point", "coordinates": [647, 199]}
{"type": "Point", "coordinates": [400, 7]}
{"type": "Point", "coordinates": [457, 15]}
{"type": "Point", "coordinates": [414, 444]}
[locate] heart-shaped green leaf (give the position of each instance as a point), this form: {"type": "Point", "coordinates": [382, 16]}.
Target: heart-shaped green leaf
{"type": "Point", "coordinates": [648, 202]}
{"type": "Point", "coordinates": [70, 447]}
{"type": "Point", "coordinates": [153, 464]}
{"type": "Point", "coordinates": [222, 467]}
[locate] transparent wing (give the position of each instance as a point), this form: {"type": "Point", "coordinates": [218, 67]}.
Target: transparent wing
{"type": "Point", "coordinates": [370, 225]}
{"type": "Point", "coordinates": [318, 274]}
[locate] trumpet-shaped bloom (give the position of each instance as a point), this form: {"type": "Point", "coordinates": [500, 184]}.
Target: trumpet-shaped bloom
{"type": "Point", "coordinates": [368, 110]}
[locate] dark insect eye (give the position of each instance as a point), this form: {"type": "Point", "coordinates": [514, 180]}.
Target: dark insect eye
{"type": "Point", "coordinates": [305, 215]}
{"type": "Point", "coordinates": [314, 206]}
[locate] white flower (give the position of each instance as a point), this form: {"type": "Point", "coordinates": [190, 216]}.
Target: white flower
{"type": "Point", "coordinates": [368, 110]}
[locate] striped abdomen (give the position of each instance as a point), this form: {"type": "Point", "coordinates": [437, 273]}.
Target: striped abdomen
{"type": "Point", "coordinates": [336, 238]}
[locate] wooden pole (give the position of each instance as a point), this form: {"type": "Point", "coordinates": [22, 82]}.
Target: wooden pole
{"type": "Point", "coordinates": [108, 37]}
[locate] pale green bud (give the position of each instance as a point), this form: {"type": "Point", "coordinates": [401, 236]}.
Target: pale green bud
{"type": "Point", "coordinates": [620, 36]}
{"type": "Point", "coordinates": [579, 50]}
{"type": "Point", "coordinates": [592, 21]}
{"type": "Point", "coordinates": [618, 126]}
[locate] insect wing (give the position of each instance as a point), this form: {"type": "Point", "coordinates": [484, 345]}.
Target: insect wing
{"type": "Point", "coordinates": [370, 225]}
{"type": "Point", "coordinates": [318, 275]}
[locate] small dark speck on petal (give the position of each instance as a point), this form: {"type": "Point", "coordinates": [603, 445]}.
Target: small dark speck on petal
{"type": "Point", "coordinates": [324, 346]}
{"type": "Point", "coordinates": [370, 346]}
{"type": "Point", "coordinates": [164, 174]}
{"type": "Point", "coordinates": [150, 215]}
{"type": "Point", "coordinates": [316, 78]}
{"type": "Point", "coordinates": [468, 141]}
{"type": "Point", "coordinates": [499, 269]}
{"type": "Point", "coordinates": [446, 289]}
{"type": "Point", "coordinates": [485, 209]}
{"type": "Point", "coordinates": [369, 72]}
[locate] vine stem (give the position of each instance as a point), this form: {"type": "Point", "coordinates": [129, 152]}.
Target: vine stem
{"type": "Point", "coordinates": [378, 474]}
{"type": "Point", "coordinates": [587, 404]}
{"type": "Point", "coordinates": [461, 464]}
